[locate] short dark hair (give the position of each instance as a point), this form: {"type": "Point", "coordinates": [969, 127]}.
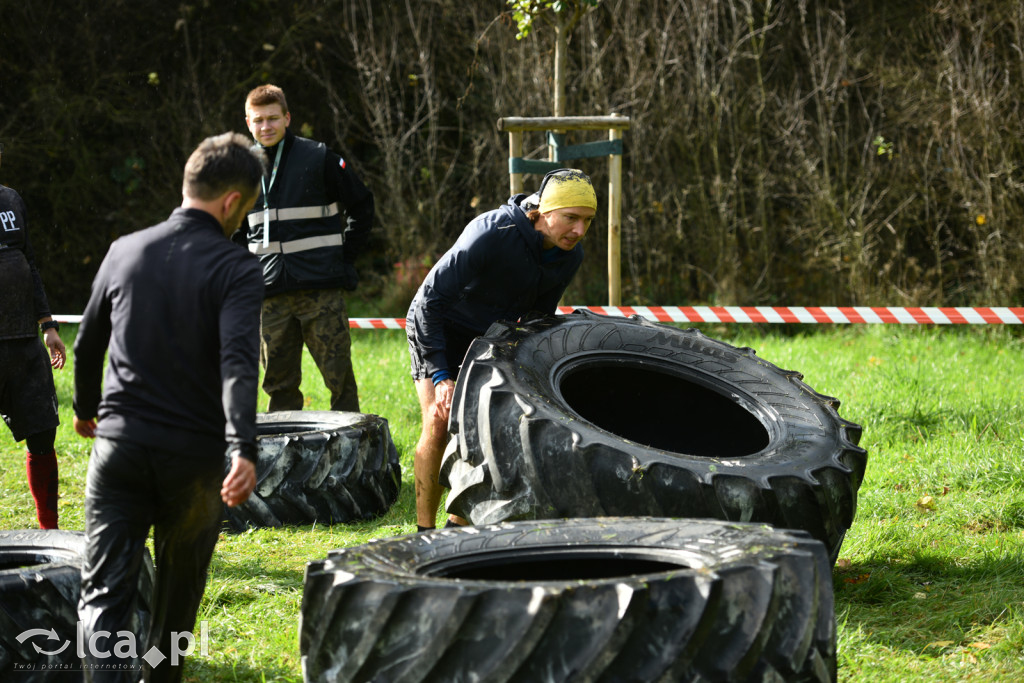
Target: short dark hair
{"type": "Point", "coordinates": [266, 94]}
{"type": "Point", "coordinates": [223, 163]}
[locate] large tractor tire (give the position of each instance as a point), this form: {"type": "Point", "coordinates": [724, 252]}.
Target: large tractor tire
{"type": "Point", "coordinates": [40, 584]}
{"type": "Point", "coordinates": [320, 467]}
{"type": "Point", "coordinates": [588, 416]}
{"type": "Point", "coordinates": [546, 601]}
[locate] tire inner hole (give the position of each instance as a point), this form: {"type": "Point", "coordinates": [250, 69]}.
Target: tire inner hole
{"type": "Point", "coordinates": [277, 428]}
{"type": "Point", "coordinates": [567, 564]}
{"type": "Point", "coordinates": [662, 410]}
{"type": "Point", "coordinates": [24, 560]}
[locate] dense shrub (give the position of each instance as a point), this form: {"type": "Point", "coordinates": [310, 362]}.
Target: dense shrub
{"type": "Point", "coordinates": [803, 152]}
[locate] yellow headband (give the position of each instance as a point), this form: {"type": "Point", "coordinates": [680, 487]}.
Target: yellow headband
{"type": "Point", "coordinates": [566, 189]}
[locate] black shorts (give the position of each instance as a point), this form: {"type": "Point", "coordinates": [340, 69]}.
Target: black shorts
{"type": "Point", "coordinates": [456, 342]}
{"type": "Point", "coordinates": [28, 400]}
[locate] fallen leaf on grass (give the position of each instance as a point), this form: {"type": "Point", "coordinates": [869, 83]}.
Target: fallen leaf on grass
{"type": "Point", "coordinates": [940, 643]}
{"type": "Point", "coordinates": [926, 503]}
{"type": "Point", "coordinates": [843, 563]}
{"type": "Point", "coordinates": [858, 579]}
{"type": "Point", "coordinates": [980, 646]}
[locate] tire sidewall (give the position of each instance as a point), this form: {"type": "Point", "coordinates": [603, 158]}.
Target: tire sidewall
{"type": "Point", "coordinates": [326, 466]}
{"type": "Point", "coordinates": [800, 423]}
{"type": "Point", "coordinates": [735, 602]}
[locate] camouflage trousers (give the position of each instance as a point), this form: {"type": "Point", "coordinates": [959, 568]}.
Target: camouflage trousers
{"type": "Point", "coordinates": [316, 318]}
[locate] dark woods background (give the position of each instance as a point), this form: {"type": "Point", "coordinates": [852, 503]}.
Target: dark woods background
{"type": "Point", "coordinates": [805, 152]}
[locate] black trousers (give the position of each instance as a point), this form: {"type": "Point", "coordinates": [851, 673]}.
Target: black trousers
{"type": "Point", "coordinates": [131, 488]}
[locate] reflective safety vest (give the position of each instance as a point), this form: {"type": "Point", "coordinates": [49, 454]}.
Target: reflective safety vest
{"type": "Point", "coordinates": [305, 232]}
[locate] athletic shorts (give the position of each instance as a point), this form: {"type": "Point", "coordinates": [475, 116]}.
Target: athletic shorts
{"type": "Point", "coordinates": [28, 400]}
{"type": "Point", "coordinates": [456, 342]}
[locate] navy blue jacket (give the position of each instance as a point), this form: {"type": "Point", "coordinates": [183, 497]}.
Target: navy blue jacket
{"type": "Point", "coordinates": [494, 271]}
{"type": "Point", "coordinates": [178, 304]}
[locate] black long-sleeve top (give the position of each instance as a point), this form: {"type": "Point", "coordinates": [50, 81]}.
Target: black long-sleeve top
{"type": "Point", "coordinates": [22, 297]}
{"type": "Point", "coordinates": [178, 305]}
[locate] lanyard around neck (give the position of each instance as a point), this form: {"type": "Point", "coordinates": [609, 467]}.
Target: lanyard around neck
{"type": "Point", "coordinates": [266, 192]}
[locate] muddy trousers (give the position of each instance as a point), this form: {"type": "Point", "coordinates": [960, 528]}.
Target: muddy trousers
{"type": "Point", "coordinates": [129, 489]}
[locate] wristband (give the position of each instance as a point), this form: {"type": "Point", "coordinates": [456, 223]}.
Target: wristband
{"type": "Point", "coordinates": [49, 325]}
{"type": "Point", "coordinates": [440, 376]}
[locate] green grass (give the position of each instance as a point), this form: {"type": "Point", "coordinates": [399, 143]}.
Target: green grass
{"type": "Point", "coordinates": [930, 583]}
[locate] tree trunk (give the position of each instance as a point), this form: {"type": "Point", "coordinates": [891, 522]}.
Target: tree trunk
{"type": "Point", "coordinates": [561, 48]}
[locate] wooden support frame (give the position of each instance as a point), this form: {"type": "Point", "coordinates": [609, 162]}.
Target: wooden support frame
{"type": "Point", "coordinates": [612, 148]}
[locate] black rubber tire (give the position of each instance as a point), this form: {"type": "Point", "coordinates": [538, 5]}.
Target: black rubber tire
{"type": "Point", "coordinates": [613, 599]}
{"type": "Point", "coordinates": [321, 467]}
{"type": "Point", "coordinates": [588, 415]}
{"type": "Point", "coordinates": [40, 584]}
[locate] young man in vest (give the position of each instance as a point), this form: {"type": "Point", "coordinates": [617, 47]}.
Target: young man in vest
{"type": "Point", "coordinates": [28, 401]}
{"type": "Point", "coordinates": [307, 253]}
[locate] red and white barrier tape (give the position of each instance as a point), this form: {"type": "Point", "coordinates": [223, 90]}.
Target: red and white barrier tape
{"type": "Point", "coordinates": [816, 314]}
{"type": "Point", "coordinates": [760, 314]}
{"type": "Point", "coordinates": [377, 323]}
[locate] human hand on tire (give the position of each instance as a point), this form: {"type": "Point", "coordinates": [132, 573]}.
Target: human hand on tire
{"type": "Point", "coordinates": [443, 392]}
{"type": "Point", "coordinates": [239, 483]}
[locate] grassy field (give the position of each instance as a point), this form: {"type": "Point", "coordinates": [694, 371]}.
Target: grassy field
{"type": "Point", "coordinates": [930, 582]}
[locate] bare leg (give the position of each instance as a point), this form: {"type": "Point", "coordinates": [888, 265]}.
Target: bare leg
{"type": "Point", "coordinates": [427, 462]}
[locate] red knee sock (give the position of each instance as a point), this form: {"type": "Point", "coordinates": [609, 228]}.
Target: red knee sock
{"type": "Point", "coordinates": [42, 481]}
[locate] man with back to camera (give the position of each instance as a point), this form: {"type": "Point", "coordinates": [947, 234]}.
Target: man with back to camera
{"type": "Point", "coordinates": [307, 255]}
{"type": "Point", "coordinates": [507, 262]}
{"type": "Point", "coordinates": [28, 399]}
{"type": "Point", "coordinates": [178, 305]}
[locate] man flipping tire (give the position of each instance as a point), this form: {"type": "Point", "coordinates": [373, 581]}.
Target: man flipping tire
{"type": "Point", "coordinates": [508, 262]}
